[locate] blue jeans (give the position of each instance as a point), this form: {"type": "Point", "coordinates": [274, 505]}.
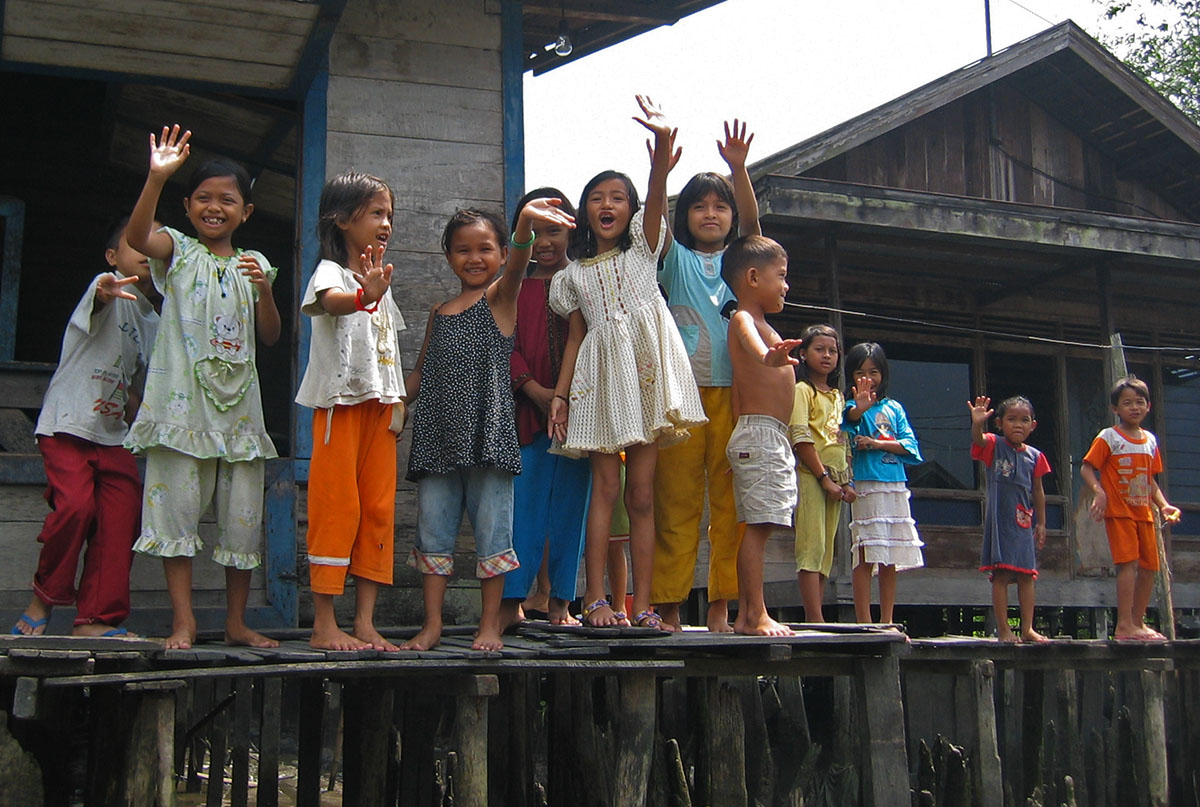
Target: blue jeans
{"type": "Point", "coordinates": [486, 494]}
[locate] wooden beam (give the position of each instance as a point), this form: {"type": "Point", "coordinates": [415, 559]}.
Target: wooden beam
{"type": "Point", "coordinates": [609, 11]}
{"type": "Point", "coordinates": [969, 220]}
{"type": "Point", "coordinates": [315, 56]}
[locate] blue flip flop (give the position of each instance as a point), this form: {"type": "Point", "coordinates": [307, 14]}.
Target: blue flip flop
{"type": "Point", "coordinates": [33, 624]}
{"type": "Point", "coordinates": [115, 632]}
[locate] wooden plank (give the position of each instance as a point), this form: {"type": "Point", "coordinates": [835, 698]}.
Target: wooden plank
{"type": "Point", "coordinates": [457, 170]}
{"type": "Point", "coordinates": [23, 385]}
{"type": "Point", "coordinates": [308, 763]}
{"type": "Point", "coordinates": [117, 59]}
{"type": "Point", "coordinates": [361, 55]}
{"type": "Point", "coordinates": [410, 110]}
{"type": "Point", "coordinates": [1154, 735]}
{"type": "Point", "coordinates": [367, 707]}
{"type": "Point", "coordinates": [270, 17]}
{"type": "Point", "coordinates": [218, 736]}
{"type": "Point", "coordinates": [986, 756]}
{"type": "Point", "coordinates": [49, 21]}
{"type": "Point", "coordinates": [442, 22]}
{"type": "Point", "coordinates": [239, 793]}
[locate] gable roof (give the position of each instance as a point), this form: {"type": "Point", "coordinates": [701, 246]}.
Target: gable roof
{"type": "Point", "coordinates": [1071, 76]}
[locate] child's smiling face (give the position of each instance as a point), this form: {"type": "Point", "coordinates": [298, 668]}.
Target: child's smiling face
{"type": "Point", "coordinates": [216, 208]}
{"type": "Point", "coordinates": [867, 376]}
{"type": "Point", "coordinates": [475, 254]}
{"type": "Point", "coordinates": [709, 221]}
{"type": "Point", "coordinates": [1017, 423]}
{"type": "Point", "coordinates": [1132, 407]}
{"type": "Point", "coordinates": [550, 244]}
{"type": "Point", "coordinates": [608, 212]}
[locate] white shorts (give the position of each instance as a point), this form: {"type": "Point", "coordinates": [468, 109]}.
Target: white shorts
{"type": "Point", "coordinates": [764, 470]}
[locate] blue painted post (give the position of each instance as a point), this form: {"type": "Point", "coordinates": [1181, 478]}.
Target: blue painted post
{"type": "Point", "coordinates": [512, 68]}
{"type": "Point", "coordinates": [13, 213]}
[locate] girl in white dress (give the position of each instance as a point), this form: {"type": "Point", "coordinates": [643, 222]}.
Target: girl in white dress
{"type": "Point", "coordinates": [626, 382]}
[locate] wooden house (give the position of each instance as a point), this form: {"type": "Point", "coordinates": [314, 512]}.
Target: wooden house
{"type": "Point", "coordinates": [992, 229]}
{"type": "Point", "coordinates": [425, 93]}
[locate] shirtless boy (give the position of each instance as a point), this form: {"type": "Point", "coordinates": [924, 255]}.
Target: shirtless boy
{"type": "Point", "coordinates": [759, 452]}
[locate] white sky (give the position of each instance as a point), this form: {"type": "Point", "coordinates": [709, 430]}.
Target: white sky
{"type": "Point", "coordinates": [791, 68]}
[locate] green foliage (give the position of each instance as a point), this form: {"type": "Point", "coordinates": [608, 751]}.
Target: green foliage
{"type": "Point", "coordinates": [1160, 41]}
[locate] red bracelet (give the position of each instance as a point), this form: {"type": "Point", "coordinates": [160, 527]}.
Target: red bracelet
{"type": "Point", "coordinates": [358, 303]}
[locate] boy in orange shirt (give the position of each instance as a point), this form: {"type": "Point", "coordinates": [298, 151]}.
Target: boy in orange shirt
{"type": "Point", "coordinates": [1126, 458]}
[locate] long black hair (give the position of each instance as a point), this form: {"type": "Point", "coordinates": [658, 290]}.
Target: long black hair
{"type": "Point", "coordinates": [806, 338]}
{"type": "Point", "coordinates": [855, 358]}
{"type": "Point", "coordinates": [583, 240]}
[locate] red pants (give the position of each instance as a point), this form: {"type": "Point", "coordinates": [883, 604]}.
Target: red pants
{"type": "Point", "coordinates": [96, 497]}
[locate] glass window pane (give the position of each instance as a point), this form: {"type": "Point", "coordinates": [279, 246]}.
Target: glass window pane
{"type": "Point", "coordinates": [933, 393]}
{"type": "Point", "coordinates": [1181, 442]}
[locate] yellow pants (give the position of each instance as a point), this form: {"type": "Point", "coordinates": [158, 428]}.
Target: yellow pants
{"type": "Point", "coordinates": [679, 487]}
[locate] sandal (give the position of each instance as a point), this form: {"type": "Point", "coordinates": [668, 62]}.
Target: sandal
{"type": "Point", "coordinates": [649, 619]}
{"type": "Point", "coordinates": [588, 610]}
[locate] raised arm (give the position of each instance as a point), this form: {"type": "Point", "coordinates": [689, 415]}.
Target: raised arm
{"type": "Point", "coordinates": [665, 206]}
{"type": "Point", "coordinates": [266, 315]}
{"type": "Point", "coordinates": [508, 286]}
{"type": "Point", "coordinates": [979, 418]}
{"type": "Point", "coordinates": [742, 328]}
{"type": "Point", "coordinates": [734, 152]}
{"type": "Point", "coordinates": [660, 167]}
{"type": "Point", "coordinates": [167, 155]}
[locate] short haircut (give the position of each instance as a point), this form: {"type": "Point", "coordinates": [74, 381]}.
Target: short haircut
{"type": "Point", "coordinates": [747, 252]}
{"type": "Point", "coordinates": [221, 167]}
{"type": "Point", "coordinates": [115, 232]}
{"type": "Point", "coordinates": [470, 217]}
{"type": "Point", "coordinates": [1129, 382]}
{"type": "Point", "coordinates": [694, 191]}
{"type": "Point", "coordinates": [859, 354]}
{"type": "Point", "coordinates": [1009, 403]}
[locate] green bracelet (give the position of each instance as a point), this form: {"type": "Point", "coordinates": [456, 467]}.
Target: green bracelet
{"type": "Point", "coordinates": [513, 240]}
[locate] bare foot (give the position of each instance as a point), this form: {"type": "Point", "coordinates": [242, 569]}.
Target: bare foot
{"type": "Point", "coordinates": [487, 638]}
{"type": "Point", "coordinates": [429, 638]}
{"type": "Point", "coordinates": [560, 613]}
{"type": "Point", "coordinates": [33, 621]}
{"type": "Point", "coordinates": [244, 636]}
{"type": "Point", "coordinates": [1004, 633]}
{"type": "Point", "coordinates": [510, 614]}
{"type": "Point", "coordinates": [336, 640]}
{"type": "Point", "coordinates": [762, 626]}
{"type": "Point", "coordinates": [100, 629]}
{"type": "Point", "coordinates": [1031, 635]}
{"type": "Point", "coordinates": [183, 633]}
{"type": "Point", "coordinates": [367, 632]}
{"type": "Point", "coordinates": [718, 617]}
{"type": "Point", "coordinates": [669, 614]}
{"type": "Point", "coordinates": [537, 601]}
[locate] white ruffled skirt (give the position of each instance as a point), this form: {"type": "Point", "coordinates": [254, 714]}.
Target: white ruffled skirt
{"type": "Point", "coordinates": [882, 527]}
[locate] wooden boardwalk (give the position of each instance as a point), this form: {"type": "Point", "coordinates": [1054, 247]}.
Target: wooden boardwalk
{"type": "Point", "coordinates": [620, 716]}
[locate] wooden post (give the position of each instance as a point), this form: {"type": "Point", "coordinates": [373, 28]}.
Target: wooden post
{"type": "Point", "coordinates": [1154, 735]}
{"type": "Point", "coordinates": [986, 756]}
{"type": "Point", "coordinates": [366, 710]}
{"type": "Point", "coordinates": [470, 730]}
{"type": "Point", "coordinates": [239, 792]}
{"type": "Point", "coordinates": [268, 742]}
{"type": "Point", "coordinates": [885, 770]}
{"type": "Point", "coordinates": [635, 742]}
{"type": "Point", "coordinates": [133, 745]}
{"type": "Point", "coordinates": [218, 732]}
{"type": "Point", "coordinates": [312, 711]}
{"type": "Point", "coordinates": [725, 750]}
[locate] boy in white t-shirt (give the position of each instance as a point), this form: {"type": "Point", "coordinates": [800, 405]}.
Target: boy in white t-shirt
{"type": "Point", "coordinates": [93, 486]}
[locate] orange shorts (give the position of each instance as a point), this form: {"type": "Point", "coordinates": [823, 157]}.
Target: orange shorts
{"type": "Point", "coordinates": [1131, 540]}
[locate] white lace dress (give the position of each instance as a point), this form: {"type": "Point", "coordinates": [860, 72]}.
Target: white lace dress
{"type": "Point", "coordinates": [633, 382]}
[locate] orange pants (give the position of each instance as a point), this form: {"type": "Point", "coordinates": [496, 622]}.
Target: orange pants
{"type": "Point", "coordinates": [1130, 540]}
{"type": "Point", "coordinates": [351, 496]}
{"type": "Point", "coordinates": [685, 470]}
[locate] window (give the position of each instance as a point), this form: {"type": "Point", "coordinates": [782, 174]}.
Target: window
{"type": "Point", "coordinates": [932, 392]}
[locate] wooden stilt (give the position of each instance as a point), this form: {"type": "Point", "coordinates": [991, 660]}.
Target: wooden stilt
{"type": "Point", "coordinates": [239, 792]}
{"type": "Point", "coordinates": [885, 772]}
{"type": "Point", "coordinates": [218, 732]}
{"type": "Point", "coordinates": [635, 743]}
{"type": "Point", "coordinates": [470, 730]}
{"type": "Point", "coordinates": [312, 712]}
{"type": "Point", "coordinates": [268, 742]}
{"type": "Point", "coordinates": [1154, 735]}
{"type": "Point", "coordinates": [724, 739]}
{"type": "Point", "coordinates": [366, 710]}
{"type": "Point", "coordinates": [986, 756]}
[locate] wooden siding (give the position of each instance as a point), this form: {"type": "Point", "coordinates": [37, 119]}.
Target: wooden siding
{"type": "Point", "coordinates": [220, 41]}
{"type": "Point", "coordinates": [997, 144]}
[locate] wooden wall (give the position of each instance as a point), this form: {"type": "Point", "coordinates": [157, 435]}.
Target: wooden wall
{"type": "Point", "coordinates": [415, 97]}
{"type": "Point", "coordinates": [997, 144]}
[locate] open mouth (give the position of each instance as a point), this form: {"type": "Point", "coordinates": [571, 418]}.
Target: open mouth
{"type": "Point", "coordinates": [607, 220]}
{"type": "Point", "coordinates": [212, 221]}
